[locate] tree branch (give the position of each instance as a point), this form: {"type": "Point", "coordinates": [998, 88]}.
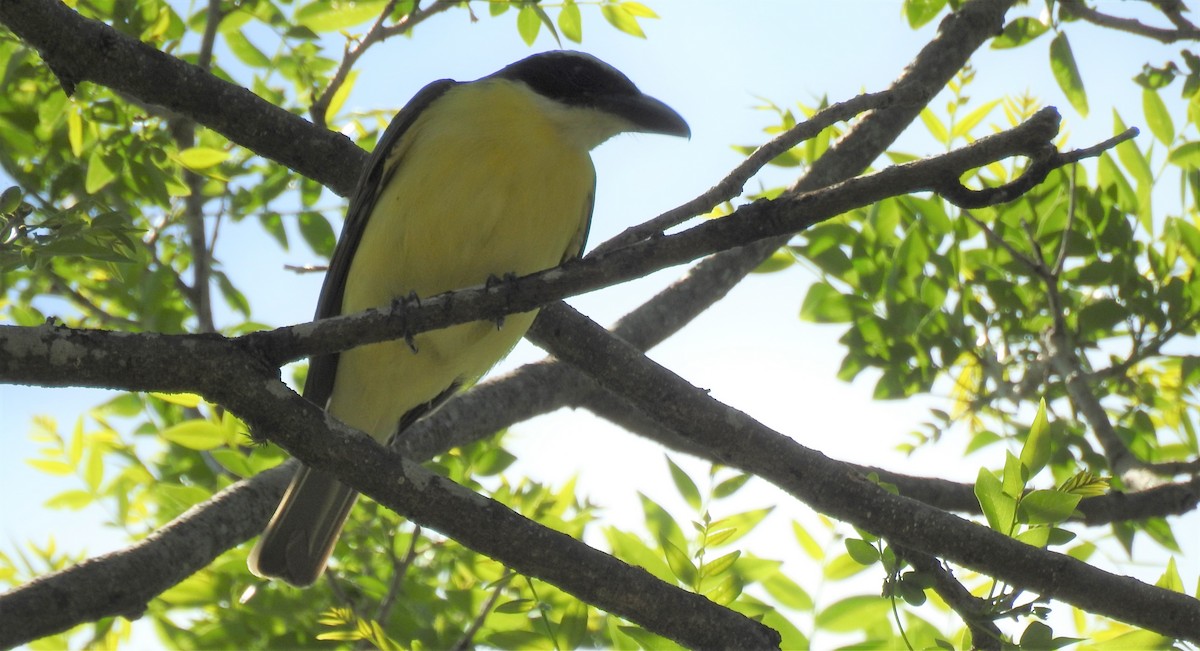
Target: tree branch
{"type": "Point", "coordinates": [78, 49]}
{"type": "Point", "coordinates": [138, 362]}
{"type": "Point", "coordinates": [252, 390]}
{"type": "Point", "coordinates": [760, 220]}
{"type": "Point", "coordinates": [1184, 30]}
{"type": "Point", "coordinates": [377, 34]}
{"type": "Point", "coordinates": [836, 490]}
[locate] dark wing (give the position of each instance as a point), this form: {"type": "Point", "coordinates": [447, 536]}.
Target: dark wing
{"type": "Point", "coordinates": [575, 248]}
{"type": "Point", "coordinates": [323, 369]}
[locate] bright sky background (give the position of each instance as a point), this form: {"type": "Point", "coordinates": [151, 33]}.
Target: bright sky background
{"type": "Point", "coordinates": [713, 62]}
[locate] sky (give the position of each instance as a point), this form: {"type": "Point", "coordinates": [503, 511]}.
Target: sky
{"type": "Point", "coordinates": [714, 62]}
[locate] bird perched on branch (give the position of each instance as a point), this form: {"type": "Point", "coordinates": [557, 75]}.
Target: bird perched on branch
{"type": "Point", "coordinates": [470, 181]}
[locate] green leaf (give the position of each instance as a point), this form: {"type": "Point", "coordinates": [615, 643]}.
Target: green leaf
{"type": "Point", "coordinates": [744, 522]}
{"type": "Point", "coordinates": [1015, 476]}
{"type": "Point", "coordinates": [787, 592]}
{"type": "Point", "coordinates": [1036, 636]}
{"type": "Point", "coordinates": [1096, 319]}
{"type": "Point", "coordinates": [233, 461]}
{"type": "Point", "coordinates": [233, 298]}
{"type": "Point", "coordinates": [93, 470]}
{"type": "Point", "coordinates": [791, 637]}
{"type": "Point", "coordinates": [51, 466]}
{"type": "Point", "coordinates": [1018, 32]}
{"type": "Point", "coordinates": [779, 260]}
{"type": "Point", "coordinates": [718, 537]}
{"type": "Point", "coordinates": [1047, 507]}
{"type": "Point", "coordinates": [245, 51]}
{"type": "Point", "coordinates": [1085, 484]}
{"type": "Point", "coordinates": [1186, 155]}
{"type": "Point", "coordinates": [74, 500]}
{"type": "Point", "coordinates": [968, 122]}
{"type": "Point", "coordinates": [638, 9]}
{"type": "Point", "coordinates": [824, 304]}
{"type": "Point", "coordinates": [854, 614]}
{"type": "Point", "coordinates": [936, 128]}
{"type": "Point", "coordinates": [572, 629]}
{"type": "Point", "coordinates": [725, 591]}
{"type": "Point", "coordinates": [842, 567]}
{"type": "Point", "coordinates": [339, 96]}
{"type": "Point", "coordinates": [1036, 451]}
{"type": "Point", "coordinates": [317, 232]}
{"type": "Point", "coordinates": [684, 484]}
{"type": "Point", "coordinates": [912, 589]}
{"type": "Point", "coordinates": [1160, 531]}
{"type": "Point", "coordinates": [730, 486]}
{"type": "Point", "coordinates": [196, 434]}
{"type": "Point", "coordinates": [1157, 117]}
{"type": "Point", "coordinates": [681, 566]}
{"type": "Point", "coordinates": [528, 24]}
{"type": "Point", "coordinates": [10, 199]}
{"type": "Point", "coordinates": [1170, 579]}
{"type": "Point", "coordinates": [919, 12]}
{"type": "Point", "coordinates": [515, 606]}
{"type": "Point", "coordinates": [570, 22]}
{"type": "Point", "coordinates": [99, 174]}
{"type": "Point", "coordinates": [1036, 537]}
{"type": "Point", "coordinates": [334, 15]}
{"type": "Point", "coordinates": [1132, 157]}
{"type": "Point", "coordinates": [862, 551]}
{"type": "Point", "coordinates": [186, 400]}
{"type": "Point", "coordinates": [622, 18]}
{"type": "Point", "coordinates": [201, 158]}
{"type": "Point", "coordinates": [720, 565]}
{"type": "Point", "coordinates": [1066, 73]}
{"type": "Point", "coordinates": [631, 548]}
{"type": "Point", "coordinates": [660, 523]}
{"type": "Point", "coordinates": [998, 508]}
{"type": "Point", "coordinates": [74, 133]}
{"type": "Point", "coordinates": [807, 542]}
{"type": "Point", "coordinates": [75, 448]}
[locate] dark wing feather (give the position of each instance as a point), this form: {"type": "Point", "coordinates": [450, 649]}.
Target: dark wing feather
{"type": "Point", "coordinates": [575, 248]}
{"type": "Point", "coordinates": [323, 369]}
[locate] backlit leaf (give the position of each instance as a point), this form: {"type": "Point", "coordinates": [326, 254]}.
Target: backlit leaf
{"type": "Point", "coordinates": [1066, 73]}
{"type": "Point", "coordinates": [196, 434]}
{"type": "Point", "coordinates": [1036, 451]}
{"type": "Point", "coordinates": [1157, 117]}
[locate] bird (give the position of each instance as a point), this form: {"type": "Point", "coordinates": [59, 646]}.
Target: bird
{"type": "Point", "coordinates": [470, 182]}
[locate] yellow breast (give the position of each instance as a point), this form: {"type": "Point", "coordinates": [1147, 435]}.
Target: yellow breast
{"type": "Point", "coordinates": [484, 185]}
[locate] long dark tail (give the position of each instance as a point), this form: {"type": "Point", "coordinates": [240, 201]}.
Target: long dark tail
{"type": "Point", "coordinates": [300, 537]}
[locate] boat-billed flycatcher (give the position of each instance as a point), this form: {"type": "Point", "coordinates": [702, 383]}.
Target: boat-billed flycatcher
{"type": "Point", "coordinates": [470, 181]}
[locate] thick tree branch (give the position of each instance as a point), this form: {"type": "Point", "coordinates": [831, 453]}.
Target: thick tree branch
{"type": "Point", "coordinates": [836, 490]}
{"type": "Point", "coordinates": [760, 220]}
{"type": "Point", "coordinates": [78, 49]}
{"type": "Point", "coordinates": [102, 359]}
{"type": "Point", "coordinates": [122, 582]}
{"type": "Point", "coordinates": [252, 391]}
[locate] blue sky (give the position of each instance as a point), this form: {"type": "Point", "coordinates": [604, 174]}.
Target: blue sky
{"type": "Point", "coordinates": [713, 62]}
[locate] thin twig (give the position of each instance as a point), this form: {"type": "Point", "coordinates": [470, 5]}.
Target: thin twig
{"type": "Point", "coordinates": [1185, 31]}
{"type": "Point", "coordinates": [732, 185]}
{"type": "Point", "coordinates": [399, 571]}
{"type": "Point", "coordinates": [465, 642]}
{"type": "Point", "coordinates": [57, 284]}
{"type": "Point", "coordinates": [376, 34]}
{"type": "Point", "coordinates": [1066, 236]}
{"type": "Point", "coordinates": [992, 237]}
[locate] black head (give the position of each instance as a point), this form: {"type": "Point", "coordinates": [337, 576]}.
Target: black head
{"type": "Point", "coordinates": [581, 80]}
